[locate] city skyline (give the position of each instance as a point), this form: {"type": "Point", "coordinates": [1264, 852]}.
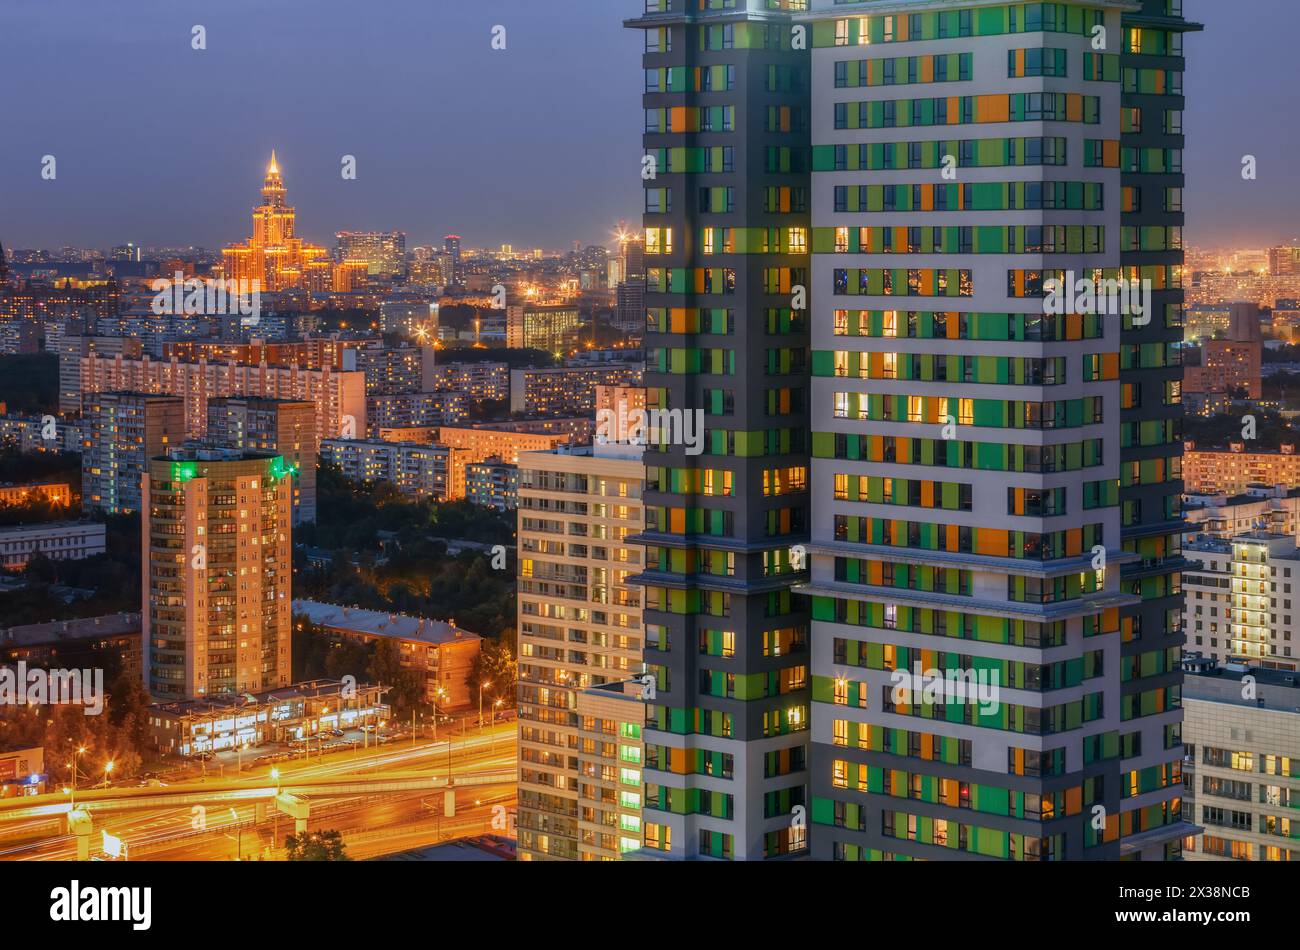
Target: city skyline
{"type": "Point", "coordinates": [120, 181]}
{"type": "Point", "coordinates": [913, 481]}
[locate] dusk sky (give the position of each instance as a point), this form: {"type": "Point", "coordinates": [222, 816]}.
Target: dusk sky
{"type": "Point", "coordinates": [537, 145]}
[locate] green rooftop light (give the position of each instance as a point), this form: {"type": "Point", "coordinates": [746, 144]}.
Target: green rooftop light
{"type": "Point", "coordinates": [184, 471]}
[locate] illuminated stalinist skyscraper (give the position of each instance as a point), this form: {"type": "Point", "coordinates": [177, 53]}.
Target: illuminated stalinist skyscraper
{"type": "Point", "coordinates": [274, 255]}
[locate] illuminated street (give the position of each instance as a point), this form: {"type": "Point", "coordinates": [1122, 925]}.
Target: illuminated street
{"type": "Point", "coordinates": [389, 798]}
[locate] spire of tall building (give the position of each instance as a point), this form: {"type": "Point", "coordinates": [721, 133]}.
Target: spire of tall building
{"type": "Point", "coordinates": [273, 187]}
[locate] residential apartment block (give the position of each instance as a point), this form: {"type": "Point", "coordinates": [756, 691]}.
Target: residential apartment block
{"type": "Point", "coordinates": [441, 652]}
{"type": "Point", "coordinates": [1234, 470]}
{"type": "Point", "coordinates": [56, 540]}
{"type": "Point", "coordinates": [579, 629]}
{"type": "Point", "coordinates": [1207, 604]}
{"type": "Point", "coordinates": [727, 228]}
{"type": "Point", "coordinates": [339, 396]}
{"type": "Point", "coordinates": [1242, 768]}
{"type": "Point", "coordinates": [416, 409]}
{"type": "Point", "coordinates": [565, 390]}
{"type": "Point", "coordinates": [480, 382]}
{"type": "Point", "coordinates": [218, 570]}
{"type": "Point", "coordinates": [122, 432]}
{"type": "Point", "coordinates": [279, 426]}
{"type": "Point", "coordinates": [985, 466]}
{"type": "Point", "coordinates": [988, 469]}
{"type": "Point", "coordinates": [1219, 515]}
{"type": "Point", "coordinates": [415, 469]}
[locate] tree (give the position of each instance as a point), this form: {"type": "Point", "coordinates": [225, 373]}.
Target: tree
{"type": "Point", "coordinates": [495, 665]}
{"type": "Point", "coordinates": [128, 710]}
{"type": "Point", "coordinates": [316, 846]}
{"type": "Point", "coordinates": [406, 691]}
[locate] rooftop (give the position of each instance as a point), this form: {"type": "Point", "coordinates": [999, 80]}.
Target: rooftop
{"type": "Point", "coordinates": [1277, 690]}
{"type": "Point", "coordinates": [57, 631]}
{"type": "Point", "coordinates": [380, 624]}
{"type": "Point", "coordinates": [308, 689]}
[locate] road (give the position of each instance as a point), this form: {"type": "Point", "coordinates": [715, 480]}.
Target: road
{"type": "Point", "coordinates": [215, 817]}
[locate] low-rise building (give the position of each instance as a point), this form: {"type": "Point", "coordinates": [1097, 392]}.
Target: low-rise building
{"type": "Point", "coordinates": [111, 641]}
{"type": "Point", "coordinates": [56, 493]}
{"type": "Point", "coordinates": [56, 540]}
{"type": "Point", "coordinates": [22, 772]}
{"type": "Point", "coordinates": [441, 651]}
{"type": "Point", "coordinates": [298, 711]}
{"type": "Point", "coordinates": [576, 430]}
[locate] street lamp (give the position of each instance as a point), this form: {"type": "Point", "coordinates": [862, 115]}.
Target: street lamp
{"type": "Point", "coordinates": [441, 694]}
{"type": "Point", "coordinates": [79, 751]}
{"type": "Point", "coordinates": [480, 703]}
{"type": "Point", "coordinates": [239, 831]}
{"type": "Point", "coordinates": [108, 770]}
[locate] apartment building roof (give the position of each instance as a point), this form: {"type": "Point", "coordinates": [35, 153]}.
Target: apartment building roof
{"type": "Point", "coordinates": [56, 631]}
{"type": "Point", "coordinates": [380, 624]}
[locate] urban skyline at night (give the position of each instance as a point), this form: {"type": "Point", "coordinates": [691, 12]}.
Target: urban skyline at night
{"type": "Point", "coordinates": [463, 136]}
{"type": "Point", "coordinates": [664, 434]}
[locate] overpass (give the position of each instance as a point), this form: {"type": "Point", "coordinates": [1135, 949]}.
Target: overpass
{"type": "Point", "coordinates": [194, 793]}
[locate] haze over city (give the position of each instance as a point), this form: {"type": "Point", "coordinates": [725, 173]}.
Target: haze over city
{"type": "Point", "coordinates": [658, 433]}
{"type": "Point", "coordinates": [533, 146]}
